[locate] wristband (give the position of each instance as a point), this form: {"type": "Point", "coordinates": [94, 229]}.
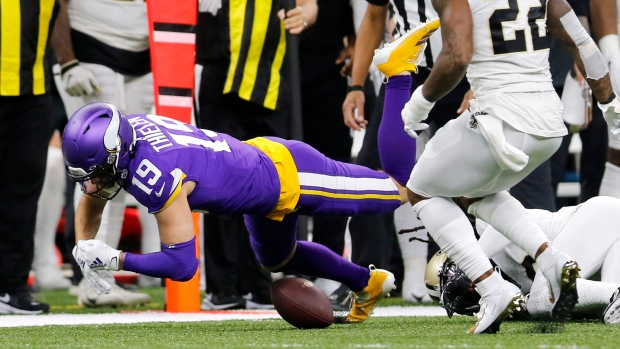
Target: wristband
{"type": "Point", "coordinates": [65, 67]}
{"type": "Point", "coordinates": [355, 88]}
{"type": "Point", "coordinates": [609, 100]}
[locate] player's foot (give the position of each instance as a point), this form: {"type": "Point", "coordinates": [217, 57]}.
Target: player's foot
{"type": "Point", "coordinates": [220, 301]}
{"type": "Point", "coordinates": [258, 301]}
{"type": "Point", "coordinates": [118, 296]}
{"type": "Point", "coordinates": [404, 53]}
{"type": "Point", "coordinates": [562, 276]}
{"type": "Point", "coordinates": [50, 278]}
{"type": "Point", "coordinates": [611, 315]}
{"type": "Point", "coordinates": [21, 303]}
{"type": "Point", "coordinates": [380, 284]}
{"type": "Point", "coordinates": [496, 307]}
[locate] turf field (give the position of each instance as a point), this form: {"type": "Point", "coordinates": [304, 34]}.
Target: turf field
{"type": "Point", "coordinates": [378, 332]}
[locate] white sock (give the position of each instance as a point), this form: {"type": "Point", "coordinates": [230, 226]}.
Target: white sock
{"type": "Point", "coordinates": [414, 255]}
{"type": "Point", "coordinates": [50, 204]}
{"type": "Point", "coordinates": [506, 214]}
{"type": "Point", "coordinates": [489, 285]}
{"type": "Point", "coordinates": [594, 295]}
{"type": "Point", "coordinates": [610, 185]}
{"type": "Point", "coordinates": [454, 234]}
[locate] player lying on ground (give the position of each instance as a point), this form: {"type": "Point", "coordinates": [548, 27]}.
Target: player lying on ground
{"type": "Point", "coordinates": [588, 232]}
{"type": "Point", "coordinates": [174, 168]}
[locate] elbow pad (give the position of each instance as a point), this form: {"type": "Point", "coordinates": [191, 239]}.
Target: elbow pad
{"type": "Point", "coordinates": [176, 262]}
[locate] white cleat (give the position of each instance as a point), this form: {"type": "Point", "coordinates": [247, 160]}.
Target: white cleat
{"type": "Point", "coordinates": [496, 307]}
{"type": "Point", "coordinates": [562, 277]}
{"type": "Point", "coordinates": [611, 315]}
{"type": "Point", "coordinates": [118, 296]}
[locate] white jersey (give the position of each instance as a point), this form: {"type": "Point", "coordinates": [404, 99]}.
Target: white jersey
{"type": "Point", "coordinates": [511, 48]}
{"type": "Point", "coordinates": [118, 23]}
{"type": "Point", "coordinates": [509, 71]}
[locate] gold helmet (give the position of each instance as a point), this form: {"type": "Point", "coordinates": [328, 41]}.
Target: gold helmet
{"type": "Point", "coordinates": [432, 276]}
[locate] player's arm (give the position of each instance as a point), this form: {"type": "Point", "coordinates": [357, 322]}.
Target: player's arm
{"type": "Point", "coordinates": [457, 48]}
{"type": "Point", "coordinates": [368, 39]}
{"type": "Point", "coordinates": [605, 28]}
{"type": "Point", "coordinates": [88, 217]}
{"type": "Point", "coordinates": [176, 224]}
{"type": "Point", "coordinates": [564, 24]}
{"type": "Point", "coordinates": [450, 66]}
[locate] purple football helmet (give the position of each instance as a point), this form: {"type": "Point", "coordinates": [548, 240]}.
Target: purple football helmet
{"type": "Point", "coordinates": [97, 144]}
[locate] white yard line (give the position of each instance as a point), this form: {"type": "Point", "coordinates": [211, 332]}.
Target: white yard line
{"type": "Point", "coordinates": [153, 316]}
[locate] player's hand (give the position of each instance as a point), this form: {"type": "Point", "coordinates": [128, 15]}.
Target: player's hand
{"type": "Point", "coordinates": [97, 255]}
{"type": "Point", "coordinates": [611, 113]}
{"type": "Point", "coordinates": [415, 111]}
{"type": "Point", "coordinates": [77, 80]}
{"type": "Point", "coordinates": [353, 110]}
{"type": "Point", "coordinates": [100, 280]}
{"type": "Point", "coordinates": [468, 96]}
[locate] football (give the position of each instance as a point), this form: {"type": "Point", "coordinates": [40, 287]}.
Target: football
{"type": "Point", "coordinates": [302, 304]}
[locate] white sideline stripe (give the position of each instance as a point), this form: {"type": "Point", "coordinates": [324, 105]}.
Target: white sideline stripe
{"type": "Point", "coordinates": [142, 317]}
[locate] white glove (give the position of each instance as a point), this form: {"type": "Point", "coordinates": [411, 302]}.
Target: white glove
{"type": "Point", "coordinates": [100, 280]}
{"type": "Point", "coordinates": [415, 111]}
{"type": "Point", "coordinates": [97, 255]}
{"type": "Point", "coordinates": [611, 113]}
{"type": "Point", "coordinates": [77, 80]}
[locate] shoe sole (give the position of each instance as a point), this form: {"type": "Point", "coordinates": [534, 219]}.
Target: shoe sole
{"type": "Point", "coordinates": [568, 292]}
{"type": "Point", "coordinates": [382, 56]}
{"type": "Point", "coordinates": [206, 305]}
{"type": "Point", "coordinates": [611, 316]}
{"type": "Point", "coordinates": [7, 309]}
{"type": "Point", "coordinates": [515, 304]}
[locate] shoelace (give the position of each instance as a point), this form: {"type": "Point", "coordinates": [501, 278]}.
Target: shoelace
{"type": "Point", "coordinates": [349, 300]}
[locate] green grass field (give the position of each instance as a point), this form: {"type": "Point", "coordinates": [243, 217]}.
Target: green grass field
{"type": "Point", "coordinates": [378, 332]}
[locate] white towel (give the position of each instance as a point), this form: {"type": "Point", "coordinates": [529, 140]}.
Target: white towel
{"type": "Point", "coordinates": [492, 128]}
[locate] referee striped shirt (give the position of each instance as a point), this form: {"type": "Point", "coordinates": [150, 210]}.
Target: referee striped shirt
{"type": "Point", "coordinates": [257, 48]}
{"type": "Point", "coordinates": [407, 15]}
{"type": "Point", "coordinates": [25, 29]}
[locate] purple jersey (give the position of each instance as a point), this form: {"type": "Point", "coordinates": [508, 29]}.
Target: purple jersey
{"type": "Point", "coordinates": [230, 176]}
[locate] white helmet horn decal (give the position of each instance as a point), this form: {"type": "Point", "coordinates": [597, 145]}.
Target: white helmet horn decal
{"type": "Point", "coordinates": [110, 138]}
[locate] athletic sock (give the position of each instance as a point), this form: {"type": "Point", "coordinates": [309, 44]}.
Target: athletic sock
{"type": "Point", "coordinates": [594, 294]}
{"type": "Point", "coordinates": [396, 149]}
{"type": "Point", "coordinates": [452, 231]}
{"type": "Point", "coordinates": [317, 260]}
{"type": "Point", "coordinates": [511, 219]}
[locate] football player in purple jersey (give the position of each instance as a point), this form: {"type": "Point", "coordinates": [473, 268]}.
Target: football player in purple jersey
{"type": "Point", "coordinates": [174, 168]}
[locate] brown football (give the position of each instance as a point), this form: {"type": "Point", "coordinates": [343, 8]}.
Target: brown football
{"type": "Point", "coordinates": [302, 304]}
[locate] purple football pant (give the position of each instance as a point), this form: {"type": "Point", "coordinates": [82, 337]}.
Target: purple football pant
{"type": "Point", "coordinates": [330, 187]}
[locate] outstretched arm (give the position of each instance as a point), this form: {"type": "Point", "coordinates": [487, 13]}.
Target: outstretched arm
{"type": "Point", "coordinates": [563, 24]}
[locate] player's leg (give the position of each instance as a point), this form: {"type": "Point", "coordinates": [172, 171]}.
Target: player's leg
{"type": "Point", "coordinates": [277, 249]}
{"type": "Point", "coordinates": [48, 274]}
{"type": "Point", "coordinates": [449, 168]}
{"type": "Point", "coordinates": [392, 136]}
{"type": "Point", "coordinates": [336, 188]}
